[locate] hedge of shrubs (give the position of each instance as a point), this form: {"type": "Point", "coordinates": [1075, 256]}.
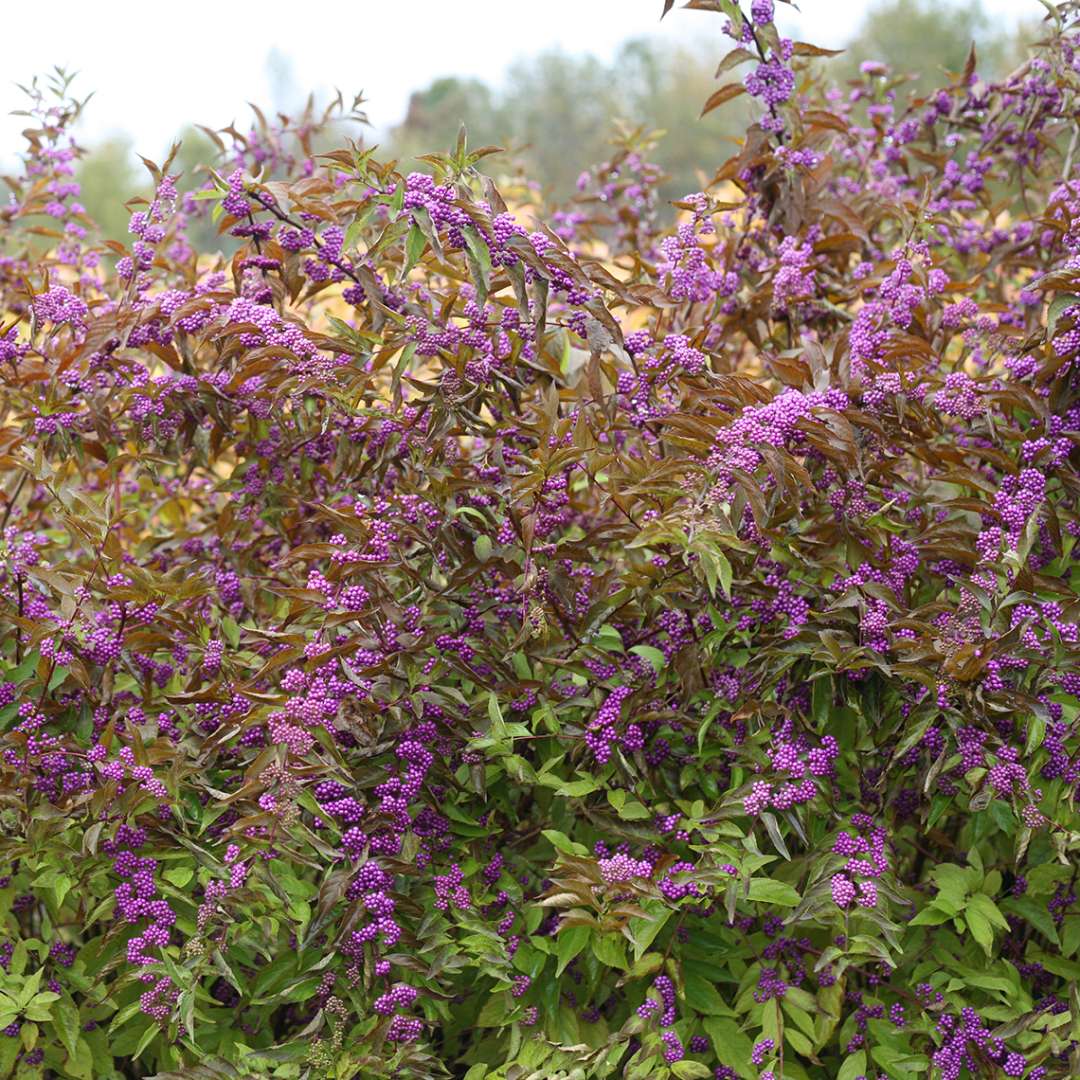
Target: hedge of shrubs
{"type": "Point", "coordinates": [452, 638]}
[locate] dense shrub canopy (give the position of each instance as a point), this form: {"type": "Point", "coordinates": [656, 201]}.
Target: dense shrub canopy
{"type": "Point", "coordinates": [626, 640]}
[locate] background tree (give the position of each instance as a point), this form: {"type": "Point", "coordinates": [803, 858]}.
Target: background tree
{"type": "Point", "coordinates": [560, 107]}
{"type": "Point", "coordinates": [555, 111]}
{"type": "Point", "coordinates": [924, 39]}
{"type": "Point", "coordinates": [109, 175]}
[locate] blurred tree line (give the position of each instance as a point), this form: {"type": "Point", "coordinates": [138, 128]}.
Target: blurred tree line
{"type": "Point", "coordinates": [554, 112]}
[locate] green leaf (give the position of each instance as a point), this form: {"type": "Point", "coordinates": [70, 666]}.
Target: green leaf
{"type": "Point", "coordinates": [569, 943]}
{"type": "Point", "coordinates": [491, 1015]}
{"type": "Point", "coordinates": [654, 656]}
{"type": "Point", "coordinates": [479, 248]}
{"type": "Point", "coordinates": [608, 638]}
{"type": "Point", "coordinates": [562, 842]}
{"type": "Point", "coordinates": [1035, 733]}
{"type": "Point", "coordinates": [1070, 935]}
{"type": "Point", "coordinates": [179, 875]}
{"type": "Point", "coordinates": [644, 931]}
{"type": "Point", "coordinates": [989, 910]}
{"type": "Point", "coordinates": [799, 1042]}
{"type": "Point", "coordinates": [567, 1027]}
{"type": "Point", "coordinates": [854, 1065]}
{"type": "Point", "coordinates": [40, 1007]}
{"type": "Point", "coordinates": [24, 670]}
{"type": "Point", "coordinates": [29, 987]}
{"type": "Point", "coordinates": [646, 965]}
{"type": "Point", "coordinates": [703, 997]}
{"type": "Point", "coordinates": [772, 1020]}
{"type": "Point", "coordinates": [482, 547]}
{"type": "Point", "coordinates": [913, 735]}
{"type": "Point", "coordinates": [123, 1016]}
{"type": "Point", "coordinates": [68, 1025]}
{"type": "Point", "coordinates": [688, 1069]}
{"type": "Point", "coordinates": [898, 1064]}
{"type": "Point", "coordinates": [186, 1007]}
{"type": "Point", "coordinates": [19, 957]}
{"type": "Point", "coordinates": [1057, 306]}
{"type": "Point", "coordinates": [980, 929]}
{"type": "Point", "coordinates": [81, 1063]}
{"type": "Point", "coordinates": [725, 573]}
{"type": "Point", "coordinates": [821, 699]}
{"type": "Point", "coordinates": [610, 950]}
{"type": "Point", "coordinates": [1067, 969]}
{"type": "Point", "coordinates": [955, 882]}
{"type": "Point", "coordinates": [716, 567]}
{"type": "Point", "coordinates": [773, 892]}
{"type": "Point", "coordinates": [414, 248]}
{"type": "Point", "coordinates": [478, 257]}
{"type": "Point", "coordinates": [632, 810]}
{"type": "Point", "coordinates": [732, 1047]}
{"type": "Point", "coordinates": [772, 827]}
{"type": "Point", "coordinates": [498, 724]}
{"type": "Point", "coordinates": [9, 1051]}
{"type": "Point", "coordinates": [931, 916]}
{"type": "Point", "coordinates": [231, 631]}
{"type": "Point", "coordinates": [147, 1038]}
{"type": "Point", "coordinates": [576, 788]}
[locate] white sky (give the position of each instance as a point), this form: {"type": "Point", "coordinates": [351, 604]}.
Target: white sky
{"type": "Point", "coordinates": [155, 66]}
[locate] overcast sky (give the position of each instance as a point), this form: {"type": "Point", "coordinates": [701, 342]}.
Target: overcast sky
{"type": "Point", "coordinates": [155, 66]}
